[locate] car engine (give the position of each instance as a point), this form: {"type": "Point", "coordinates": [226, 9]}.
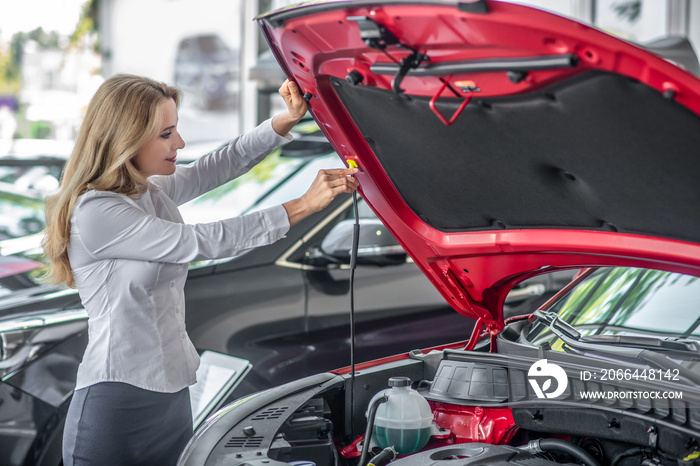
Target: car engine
{"type": "Point", "coordinates": [482, 414]}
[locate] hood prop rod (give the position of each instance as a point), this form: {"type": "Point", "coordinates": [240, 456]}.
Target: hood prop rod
{"type": "Point", "coordinates": [408, 63]}
{"type": "Point", "coordinates": [353, 265]}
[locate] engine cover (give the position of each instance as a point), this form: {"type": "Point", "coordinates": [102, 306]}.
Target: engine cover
{"type": "Point", "coordinates": [474, 454]}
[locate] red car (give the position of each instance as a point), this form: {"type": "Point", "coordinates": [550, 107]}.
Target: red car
{"type": "Point", "coordinates": [497, 143]}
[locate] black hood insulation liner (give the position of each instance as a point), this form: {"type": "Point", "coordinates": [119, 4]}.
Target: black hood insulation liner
{"type": "Point", "coordinates": [598, 151]}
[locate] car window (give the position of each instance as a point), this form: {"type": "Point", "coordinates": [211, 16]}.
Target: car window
{"type": "Point", "coordinates": [38, 177]}
{"type": "Point", "coordinates": [283, 175]}
{"type": "Point", "coordinates": [238, 196]}
{"type": "Point", "coordinates": [297, 183]}
{"type": "Point", "coordinates": [275, 180]}
{"type": "Point", "coordinates": [20, 215]}
{"type": "Point", "coordinates": [622, 300]}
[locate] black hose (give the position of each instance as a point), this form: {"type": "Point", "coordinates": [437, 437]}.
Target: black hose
{"type": "Point", "coordinates": [384, 457]}
{"type": "Point", "coordinates": [626, 454]}
{"type": "Point", "coordinates": [355, 232]}
{"type": "Point", "coordinates": [560, 446]}
{"type": "Point", "coordinates": [370, 425]}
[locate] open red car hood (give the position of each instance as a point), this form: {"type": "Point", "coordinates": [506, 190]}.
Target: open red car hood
{"type": "Point", "coordinates": [497, 141]}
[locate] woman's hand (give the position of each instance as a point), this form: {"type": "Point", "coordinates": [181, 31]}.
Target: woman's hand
{"type": "Point", "coordinates": [325, 187]}
{"type": "Point", "coordinates": [296, 108]}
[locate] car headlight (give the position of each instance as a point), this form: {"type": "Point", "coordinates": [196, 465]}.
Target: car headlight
{"type": "Point", "coordinates": [22, 338]}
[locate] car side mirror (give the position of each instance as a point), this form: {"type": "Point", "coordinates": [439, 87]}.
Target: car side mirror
{"type": "Point", "coordinates": [376, 245]}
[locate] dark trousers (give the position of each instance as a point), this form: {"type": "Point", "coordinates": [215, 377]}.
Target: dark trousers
{"type": "Point", "coordinates": [113, 423]}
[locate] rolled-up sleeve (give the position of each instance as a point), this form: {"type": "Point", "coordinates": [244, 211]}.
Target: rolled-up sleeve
{"type": "Point", "coordinates": [112, 226]}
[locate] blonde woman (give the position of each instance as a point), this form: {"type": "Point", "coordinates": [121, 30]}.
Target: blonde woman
{"type": "Point", "coordinates": [114, 232]}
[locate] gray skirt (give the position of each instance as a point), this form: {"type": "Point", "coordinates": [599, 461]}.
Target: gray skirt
{"type": "Point", "coordinates": [114, 423]}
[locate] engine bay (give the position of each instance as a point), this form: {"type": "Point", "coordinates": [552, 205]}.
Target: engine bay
{"type": "Point", "coordinates": [482, 414]}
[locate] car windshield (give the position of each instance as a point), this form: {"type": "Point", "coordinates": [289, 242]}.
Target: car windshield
{"type": "Point", "coordinates": [628, 301]}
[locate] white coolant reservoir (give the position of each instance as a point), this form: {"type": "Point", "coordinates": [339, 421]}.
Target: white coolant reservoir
{"type": "Point", "coordinates": [405, 420]}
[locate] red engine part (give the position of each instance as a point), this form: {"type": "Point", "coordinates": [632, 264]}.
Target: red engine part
{"type": "Point", "coordinates": [474, 423]}
{"type": "Point", "coordinates": [462, 424]}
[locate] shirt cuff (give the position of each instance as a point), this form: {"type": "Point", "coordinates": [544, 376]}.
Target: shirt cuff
{"type": "Point", "coordinates": [280, 139]}
{"type": "Point", "coordinates": [278, 221]}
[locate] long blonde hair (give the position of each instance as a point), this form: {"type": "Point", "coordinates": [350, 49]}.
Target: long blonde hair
{"type": "Point", "coordinates": [122, 116]}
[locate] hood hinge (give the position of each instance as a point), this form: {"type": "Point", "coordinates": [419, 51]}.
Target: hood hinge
{"type": "Point", "coordinates": [378, 37]}
{"type": "Point", "coordinates": [490, 322]}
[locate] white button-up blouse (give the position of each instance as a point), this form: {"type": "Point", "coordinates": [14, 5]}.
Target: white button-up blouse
{"type": "Point", "coordinates": [130, 258]}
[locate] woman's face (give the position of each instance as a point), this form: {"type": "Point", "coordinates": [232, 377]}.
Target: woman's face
{"type": "Point", "coordinates": [158, 155]}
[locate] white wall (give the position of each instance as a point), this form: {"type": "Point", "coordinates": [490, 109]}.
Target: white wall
{"type": "Point", "coordinates": [140, 36]}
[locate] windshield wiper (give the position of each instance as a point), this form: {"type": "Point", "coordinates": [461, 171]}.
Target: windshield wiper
{"type": "Point", "coordinates": [653, 351]}
{"type": "Point", "coordinates": [683, 346]}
